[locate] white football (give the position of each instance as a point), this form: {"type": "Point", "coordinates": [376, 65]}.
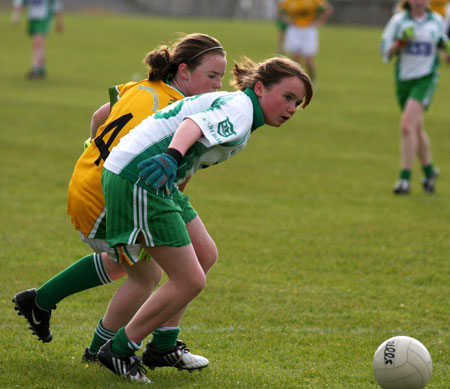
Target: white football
{"type": "Point", "coordinates": [402, 362]}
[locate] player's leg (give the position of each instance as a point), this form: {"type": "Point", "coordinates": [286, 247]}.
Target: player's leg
{"type": "Point", "coordinates": [430, 172]}
{"type": "Point", "coordinates": [409, 123]}
{"type": "Point", "coordinates": [423, 144]}
{"type": "Point", "coordinates": [123, 305]}
{"type": "Point", "coordinates": [37, 30]}
{"type": "Point", "coordinates": [206, 252]}
{"type": "Point", "coordinates": [38, 47]}
{"type": "Point", "coordinates": [36, 304]}
{"type": "Point", "coordinates": [165, 347]}
{"type": "Point", "coordinates": [186, 279]}
{"type": "Point", "coordinates": [309, 49]}
{"type": "Point", "coordinates": [310, 66]}
{"type": "Point", "coordinates": [402, 185]}
{"type": "Point", "coordinates": [423, 93]}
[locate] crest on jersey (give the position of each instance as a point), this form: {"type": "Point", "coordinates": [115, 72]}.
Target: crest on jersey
{"type": "Point", "coordinates": [225, 128]}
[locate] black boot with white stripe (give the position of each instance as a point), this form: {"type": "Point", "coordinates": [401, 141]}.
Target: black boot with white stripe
{"type": "Point", "coordinates": [178, 356]}
{"type": "Point", "coordinates": [128, 366]}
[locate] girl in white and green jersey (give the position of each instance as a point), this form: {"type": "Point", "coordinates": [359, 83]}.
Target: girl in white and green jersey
{"type": "Point", "coordinates": [414, 35]}
{"type": "Point", "coordinates": [40, 15]}
{"type": "Point", "coordinates": [140, 176]}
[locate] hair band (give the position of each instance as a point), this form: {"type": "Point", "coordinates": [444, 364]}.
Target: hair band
{"type": "Point", "coordinates": [203, 52]}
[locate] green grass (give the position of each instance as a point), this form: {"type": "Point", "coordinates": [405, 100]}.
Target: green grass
{"type": "Point", "coordinates": [319, 262]}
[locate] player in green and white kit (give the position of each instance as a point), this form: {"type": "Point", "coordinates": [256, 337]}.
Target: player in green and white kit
{"type": "Point", "coordinates": [414, 36]}
{"type": "Point", "coordinates": [139, 182]}
{"type": "Point", "coordinates": [40, 15]}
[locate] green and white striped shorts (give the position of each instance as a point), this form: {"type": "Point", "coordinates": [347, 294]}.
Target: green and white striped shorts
{"type": "Point", "coordinates": [131, 210]}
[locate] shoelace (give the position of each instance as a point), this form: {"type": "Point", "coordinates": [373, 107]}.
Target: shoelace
{"type": "Point", "coordinates": [139, 366]}
{"type": "Point", "coordinates": [183, 347]}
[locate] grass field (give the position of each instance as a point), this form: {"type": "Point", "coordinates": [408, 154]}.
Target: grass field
{"type": "Point", "coordinates": [318, 261]}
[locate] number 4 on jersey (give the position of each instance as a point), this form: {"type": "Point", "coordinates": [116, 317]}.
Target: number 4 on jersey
{"type": "Point", "coordinates": [115, 125]}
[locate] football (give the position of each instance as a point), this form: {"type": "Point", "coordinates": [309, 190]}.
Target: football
{"type": "Point", "coordinates": [402, 362]}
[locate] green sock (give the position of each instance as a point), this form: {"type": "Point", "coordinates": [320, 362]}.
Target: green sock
{"type": "Point", "coordinates": [428, 170]}
{"type": "Point", "coordinates": [101, 336]}
{"type": "Point", "coordinates": [405, 174]}
{"type": "Point", "coordinates": [86, 273]}
{"type": "Point", "coordinates": [122, 345]}
{"type": "Point", "coordinates": [165, 337]}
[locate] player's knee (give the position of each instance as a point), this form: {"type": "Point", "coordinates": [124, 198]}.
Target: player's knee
{"type": "Point", "coordinates": [209, 257]}
{"type": "Point", "coordinates": [406, 129]}
{"type": "Point", "coordinates": [197, 283]}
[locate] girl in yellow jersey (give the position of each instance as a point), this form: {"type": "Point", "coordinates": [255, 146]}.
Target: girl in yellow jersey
{"type": "Point", "coordinates": [439, 6]}
{"type": "Point", "coordinates": [196, 64]}
{"type": "Point", "coordinates": [442, 7]}
{"type": "Point", "coordinates": [302, 39]}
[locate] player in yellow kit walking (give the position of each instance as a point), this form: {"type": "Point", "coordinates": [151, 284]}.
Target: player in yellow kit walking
{"type": "Point", "coordinates": [302, 37]}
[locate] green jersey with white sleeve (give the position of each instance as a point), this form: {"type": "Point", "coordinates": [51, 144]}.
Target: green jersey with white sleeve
{"type": "Point", "coordinates": [226, 120]}
{"type": "Point", "coordinates": [419, 57]}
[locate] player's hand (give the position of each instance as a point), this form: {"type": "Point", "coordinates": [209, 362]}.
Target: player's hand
{"type": "Point", "coordinates": [407, 33]}
{"type": "Point", "coordinates": [405, 37]}
{"type": "Point", "coordinates": [159, 171]}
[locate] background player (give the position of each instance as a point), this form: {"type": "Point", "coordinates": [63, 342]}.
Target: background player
{"type": "Point", "coordinates": [40, 14]}
{"type": "Point", "coordinates": [301, 40]}
{"type": "Point", "coordinates": [413, 36]}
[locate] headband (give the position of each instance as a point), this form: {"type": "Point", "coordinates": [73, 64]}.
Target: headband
{"type": "Point", "coordinates": [203, 52]}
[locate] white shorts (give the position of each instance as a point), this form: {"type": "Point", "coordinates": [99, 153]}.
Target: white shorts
{"type": "Point", "coordinates": [129, 253]}
{"type": "Point", "coordinates": [301, 40]}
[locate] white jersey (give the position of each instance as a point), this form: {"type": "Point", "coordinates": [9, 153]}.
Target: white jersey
{"type": "Point", "coordinates": [420, 57]}
{"type": "Point", "coordinates": [226, 120]}
{"type": "Point", "coordinates": [40, 9]}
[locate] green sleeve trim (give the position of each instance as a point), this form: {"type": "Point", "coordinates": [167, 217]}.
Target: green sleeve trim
{"type": "Point", "coordinates": [113, 96]}
{"type": "Point", "coordinates": [258, 117]}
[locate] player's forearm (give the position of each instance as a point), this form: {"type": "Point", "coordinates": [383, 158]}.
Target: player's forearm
{"type": "Point", "coordinates": [395, 49]}
{"type": "Point", "coordinates": [186, 135]}
{"type": "Point", "coordinates": [324, 15]}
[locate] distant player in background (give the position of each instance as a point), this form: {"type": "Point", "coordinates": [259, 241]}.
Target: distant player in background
{"type": "Point", "coordinates": [302, 37]}
{"type": "Point", "coordinates": [414, 36]}
{"type": "Point", "coordinates": [195, 64]}
{"type": "Point", "coordinates": [40, 15]}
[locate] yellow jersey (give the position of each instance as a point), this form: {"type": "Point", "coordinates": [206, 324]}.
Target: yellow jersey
{"type": "Point", "coordinates": [303, 12]}
{"type": "Point", "coordinates": [439, 6]}
{"type": "Point", "coordinates": [130, 104]}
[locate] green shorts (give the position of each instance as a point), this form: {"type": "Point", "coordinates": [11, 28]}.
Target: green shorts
{"type": "Point", "coordinates": [39, 27]}
{"type": "Point", "coordinates": [188, 212]}
{"type": "Point", "coordinates": [420, 89]}
{"type": "Point", "coordinates": [131, 210]}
